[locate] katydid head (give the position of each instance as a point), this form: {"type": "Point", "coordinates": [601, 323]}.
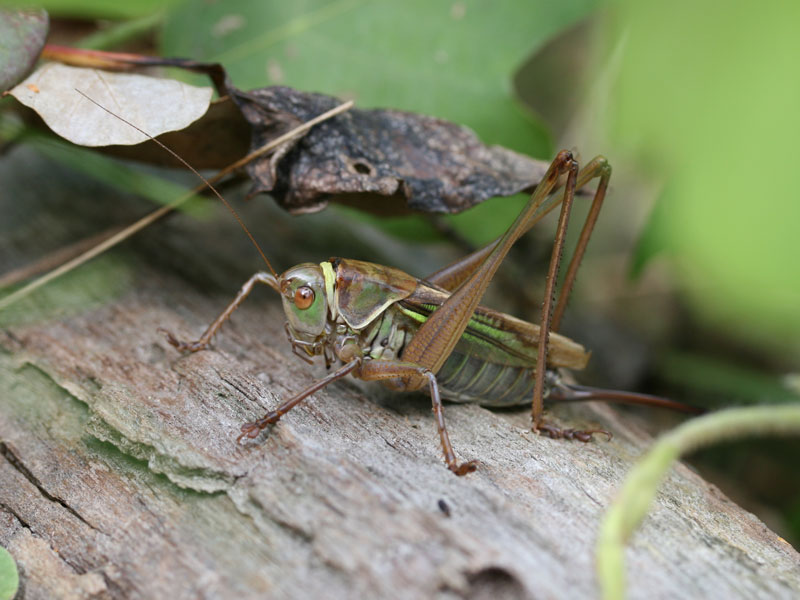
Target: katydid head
{"type": "Point", "coordinates": [305, 303]}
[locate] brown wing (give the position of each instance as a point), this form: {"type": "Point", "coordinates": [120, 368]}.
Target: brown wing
{"type": "Point", "coordinates": [519, 337]}
{"type": "Point", "coordinates": [364, 290]}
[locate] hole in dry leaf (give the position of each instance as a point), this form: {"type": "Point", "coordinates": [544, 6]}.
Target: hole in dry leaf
{"type": "Point", "coordinates": [363, 168]}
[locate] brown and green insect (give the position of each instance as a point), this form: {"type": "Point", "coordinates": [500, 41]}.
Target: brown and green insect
{"type": "Point", "coordinates": [378, 323]}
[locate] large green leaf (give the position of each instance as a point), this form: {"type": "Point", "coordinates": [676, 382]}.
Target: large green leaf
{"type": "Point", "coordinates": [709, 97]}
{"type": "Point", "coordinates": [102, 9]}
{"type": "Point", "coordinates": [452, 60]}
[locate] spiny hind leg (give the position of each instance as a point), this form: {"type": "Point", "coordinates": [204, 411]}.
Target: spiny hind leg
{"type": "Point", "coordinates": [598, 167]}
{"type": "Point", "coordinates": [555, 432]}
{"type": "Point", "coordinates": [450, 276]}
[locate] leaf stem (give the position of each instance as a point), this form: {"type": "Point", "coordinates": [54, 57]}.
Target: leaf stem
{"type": "Point", "coordinates": [639, 489]}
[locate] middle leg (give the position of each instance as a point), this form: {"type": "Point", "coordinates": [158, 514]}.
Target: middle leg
{"type": "Point", "coordinates": [375, 370]}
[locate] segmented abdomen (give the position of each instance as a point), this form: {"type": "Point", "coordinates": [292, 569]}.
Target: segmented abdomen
{"type": "Point", "coordinates": [466, 378]}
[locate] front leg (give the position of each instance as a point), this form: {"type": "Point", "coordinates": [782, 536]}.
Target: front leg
{"type": "Point", "coordinates": [205, 339]}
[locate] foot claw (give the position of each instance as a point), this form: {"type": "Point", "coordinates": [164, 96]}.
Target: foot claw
{"type": "Point", "coordinates": [463, 468]}
{"type": "Point", "coordinates": [249, 430]}
{"type": "Point", "coordinates": [182, 346]}
{"type": "Point", "coordinates": [556, 433]}
{"type": "Point", "coordinates": [252, 429]}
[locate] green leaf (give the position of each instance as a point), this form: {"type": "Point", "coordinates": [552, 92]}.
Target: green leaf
{"type": "Point", "coordinates": [652, 240]}
{"type": "Point", "coordinates": [111, 172]}
{"type": "Point", "coordinates": [714, 111]}
{"type": "Point", "coordinates": [708, 375]}
{"type": "Point", "coordinates": [9, 577]}
{"type": "Point", "coordinates": [453, 60]}
{"type": "Point", "coordinates": [102, 9]}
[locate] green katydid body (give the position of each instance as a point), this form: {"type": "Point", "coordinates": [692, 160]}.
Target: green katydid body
{"type": "Point", "coordinates": [379, 310]}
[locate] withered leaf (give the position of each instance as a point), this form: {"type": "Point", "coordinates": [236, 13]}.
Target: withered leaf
{"type": "Point", "coordinates": [380, 160]}
{"type": "Point", "coordinates": [384, 161]}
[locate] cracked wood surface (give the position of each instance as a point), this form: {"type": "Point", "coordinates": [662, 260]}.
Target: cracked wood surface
{"type": "Point", "coordinates": [120, 476]}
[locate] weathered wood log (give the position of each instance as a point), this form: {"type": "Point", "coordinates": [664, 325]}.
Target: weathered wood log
{"type": "Point", "coordinates": [120, 476]}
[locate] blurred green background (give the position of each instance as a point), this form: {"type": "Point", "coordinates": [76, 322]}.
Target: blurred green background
{"type": "Point", "coordinates": [694, 103]}
{"type": "Point", "coordinates": [707, 98]}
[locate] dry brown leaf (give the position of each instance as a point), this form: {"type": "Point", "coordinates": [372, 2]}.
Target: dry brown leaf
{"type": "Point", "coordinates": [380, 160]}
{"type": "Point", "coordinates": [383, 161]}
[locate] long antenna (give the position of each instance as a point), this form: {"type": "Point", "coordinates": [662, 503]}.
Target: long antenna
{"type": "Point", "coordinates": [130, 230]}
{"type": "Point", "coordinates": [193, 170]}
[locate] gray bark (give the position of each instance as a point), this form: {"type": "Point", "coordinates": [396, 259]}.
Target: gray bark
{"type": "Point", "coordinates": [120, 476]}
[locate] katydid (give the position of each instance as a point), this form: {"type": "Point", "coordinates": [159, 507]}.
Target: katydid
{"type": "Point", "coordinates": [378, 323]}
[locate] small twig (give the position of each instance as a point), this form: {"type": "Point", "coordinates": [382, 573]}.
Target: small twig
{"type": "Point", "coordinates": [165, 210]}
{"type": "Point", "coordinates": [55, 258]}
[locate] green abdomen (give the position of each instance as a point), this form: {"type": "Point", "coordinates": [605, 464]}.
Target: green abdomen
{"type": "Point", "coordinates": [489, 366]}
{"type": "Point", "coordinates": [469, 378]}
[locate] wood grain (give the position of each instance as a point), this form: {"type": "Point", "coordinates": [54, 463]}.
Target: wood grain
{"type": "Point", "coordinates": [120, 476]}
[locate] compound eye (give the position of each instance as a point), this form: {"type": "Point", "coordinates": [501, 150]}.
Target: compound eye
{"type": "Point", "coordinates": [303, 297]}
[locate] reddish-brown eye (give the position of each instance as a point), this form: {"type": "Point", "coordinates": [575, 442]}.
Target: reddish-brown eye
{"type": "Point", "coordinates": [303, 297]}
